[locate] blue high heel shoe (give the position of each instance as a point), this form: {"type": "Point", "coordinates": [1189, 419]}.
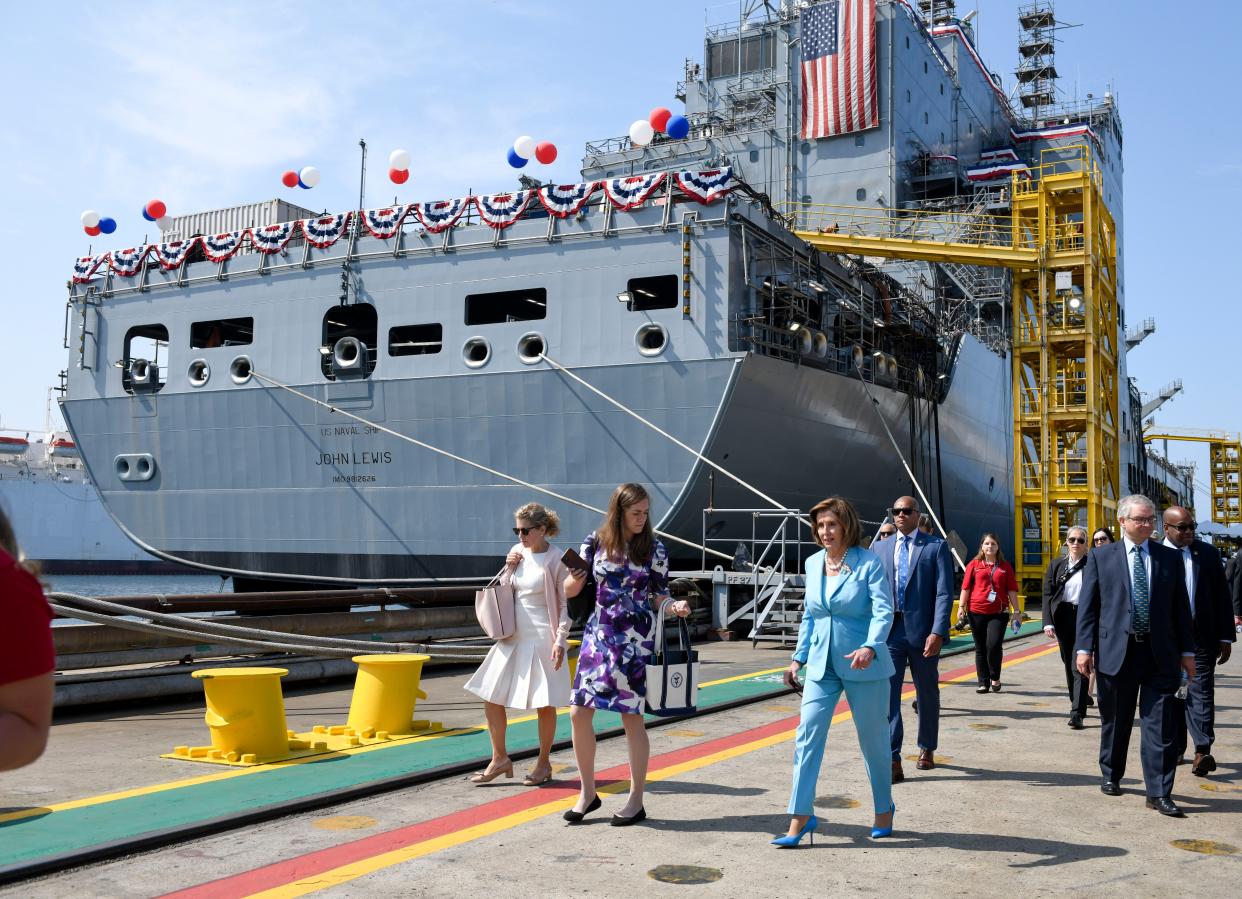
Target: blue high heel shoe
{"type": "Point", "coordinates": [789, 842]}
{"type": "Point", "coordinates": [877, 832]}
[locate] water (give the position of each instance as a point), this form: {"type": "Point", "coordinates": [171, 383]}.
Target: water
{"type": "Point", "coordinates": [134, 584]}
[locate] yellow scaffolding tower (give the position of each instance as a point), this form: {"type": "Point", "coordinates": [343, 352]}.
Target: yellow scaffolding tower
{"type": "Point", "coordinates": [1060, 243]}
{"type": "Point", "coordinates": [1225, 468]}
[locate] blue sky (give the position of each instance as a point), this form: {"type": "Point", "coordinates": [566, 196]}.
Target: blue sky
{"type": "Point", "coordinates": [204, 107]}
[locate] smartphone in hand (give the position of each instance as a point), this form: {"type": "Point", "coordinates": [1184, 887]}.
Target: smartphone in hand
{"type": "Point", "coordinates": [575, 562]}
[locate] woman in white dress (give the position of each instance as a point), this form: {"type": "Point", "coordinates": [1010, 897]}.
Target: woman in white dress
{"type": "Point", "coordinates": [527, 670]}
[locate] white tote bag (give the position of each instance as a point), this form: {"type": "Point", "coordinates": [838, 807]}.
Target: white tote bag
{"type": "Point", "coordinates": [672, 673]}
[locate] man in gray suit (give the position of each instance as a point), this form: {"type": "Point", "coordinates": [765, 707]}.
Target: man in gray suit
{"type": "Point", "coordinates": [1134, 629]}
{"type": "Point", "coordinates": [920, 576]}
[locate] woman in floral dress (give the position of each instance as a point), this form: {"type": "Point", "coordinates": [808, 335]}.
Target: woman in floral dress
{"type": "Point", "coordinates": [630, 569]}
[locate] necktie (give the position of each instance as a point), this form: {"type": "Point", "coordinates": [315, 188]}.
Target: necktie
{"type": "Point", "coordinates": [1142, 599]}
{"type": "Point", "coordinates": [1189, 565]}
{"type": "Point", "coordinates": [903, 570]}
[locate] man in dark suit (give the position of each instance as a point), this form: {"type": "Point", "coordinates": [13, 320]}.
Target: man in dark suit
{"type": "Point", "coordinates": [1135, 631]}
{"type": "Point", "coordinates": [1233, 573]}
{"type": "Point", "coordinates": [920, 576]}
{"type": "Point", "coordinates": [1212, 613]}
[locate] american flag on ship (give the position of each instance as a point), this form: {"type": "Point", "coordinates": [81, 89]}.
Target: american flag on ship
{"type": "Point", "coordinates": [838, 68]}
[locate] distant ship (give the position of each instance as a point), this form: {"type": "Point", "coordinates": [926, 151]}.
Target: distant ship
{"type": "Point", "coordinates": [56, 512]}
{"type": "Point", "coordinates": [668, 278]}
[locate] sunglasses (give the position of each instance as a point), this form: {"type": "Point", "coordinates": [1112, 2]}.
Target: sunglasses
{"type": "Point", "coordinates": [1100, 540]}
{"type": "Point", "coordinates": [1183, 528]}
{"type": "Point", "coordinates": [524, 531]}
{"type": "Point", "coordinates": [895, 511]}
{"type": "Point", "coordinates": [1076, 540]}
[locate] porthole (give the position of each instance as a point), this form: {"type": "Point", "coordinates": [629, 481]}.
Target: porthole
{"type": "Point", "coordinates": [476, 352]}
{"type": "Point", "coordinates": [651, 339]}
{"type": "Point", "coordinates": [531, 347]}
{"type": "Point", "coordinates": [199, 372]}
{"type": "Point", "coordinates": [239, 369]}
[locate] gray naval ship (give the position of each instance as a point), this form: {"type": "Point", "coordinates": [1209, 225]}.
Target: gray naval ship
{"type": "Point", "coordinates": [670, 280]}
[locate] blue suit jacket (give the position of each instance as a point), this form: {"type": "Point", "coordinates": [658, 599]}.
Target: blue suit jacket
{"type": "Point", "coordinates": [929, 591]}
{"type": "Point", "coordinates": [857, 613]}
{"type": "Point", "coordinates": [1104, 609]}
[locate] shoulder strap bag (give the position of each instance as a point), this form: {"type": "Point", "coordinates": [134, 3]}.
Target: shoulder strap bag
{"type": "Point", "coordinates": [672, 673]}
{"type": "Point", "coordinates": [495, 609]}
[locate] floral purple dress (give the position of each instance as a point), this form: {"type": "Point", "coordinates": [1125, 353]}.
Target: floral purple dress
{"type": "Point", "coordinates": [612, 671]}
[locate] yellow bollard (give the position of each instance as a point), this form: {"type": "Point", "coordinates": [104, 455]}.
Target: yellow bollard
{"type": "Point", "coordinates": [245, 712]}
{"type": "Point", "coordinates": [386, 692]}
{"type": "Point", "coordinates": [574, 647]}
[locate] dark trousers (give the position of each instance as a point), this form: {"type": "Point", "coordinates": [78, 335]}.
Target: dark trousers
{"type": "Point", "coordinates": [1139, 682]}
{"type": "Point", "coordinates": [1200, 706]}
{"type": "Point", "coordinates": [989, 634]}
{"type": "Point", "coordinates": [1065, 620]}
{"type": "Point", "coordinates": [926, 676]}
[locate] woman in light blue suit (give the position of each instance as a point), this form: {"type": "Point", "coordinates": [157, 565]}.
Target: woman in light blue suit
{"type": "Point", "coordinates": [841, 644]}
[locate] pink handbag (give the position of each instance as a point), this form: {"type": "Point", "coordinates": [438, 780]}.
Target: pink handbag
{"type": "Point", "coordinates": [494, 607]}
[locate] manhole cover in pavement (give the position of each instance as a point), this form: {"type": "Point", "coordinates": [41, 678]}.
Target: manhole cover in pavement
{"type": "Point", "coordinates": [938, 759]}
{"type": "Point", "coordinates": [1221, 788]}
{"type": "Point", "coordinates": [1035, 705]}
{"type": "Point", "coordinates": [345, 822]}
{"type": "Point", "coordinates": [987, 727]}
{"type": "Point", "coordinates": [836, 802]}
{"type": "Point", "coordinates": [686, 733]}
{"type": "Point", "coordinates": [687, 874]}
{"type": "Point", "coordinates": [1205, 847]}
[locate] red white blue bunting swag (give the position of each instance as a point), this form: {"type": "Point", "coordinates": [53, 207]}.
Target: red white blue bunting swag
{"type": "Point", "coordinates": [706, 186]}
{"type": "Point", "coordinates": [502, 210]}
{"type": "Point", "coordinates": [271, 238]}
{"type": "Point", "coordinates": [171, 255]}
{"type": "Point", "coordinates": [441, 216]}
{"type": "Point", "coordinates": [566, 199]}
{"type": "Point", "coordinates": [384, 223]}
{"type": "Point", "coordinates": [127, 262]}
{"type": "Point", "coordinates": [86, 266]}
{"type": "Point", "coordinates": [220, 247]}
{"type": "Point", "coordinates": [323, 232]}
{"type": "Point", "coordinates": [630, 193]}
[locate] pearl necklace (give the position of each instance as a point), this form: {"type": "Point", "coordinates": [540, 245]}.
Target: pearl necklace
{"type": "Point", "coordinates": [837, 567]}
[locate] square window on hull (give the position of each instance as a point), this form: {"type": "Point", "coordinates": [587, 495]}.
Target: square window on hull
{"type": "Point", "coordinates": [659, 292]}
{"type": "Point", "coordinates": [222, 332]}
{"type": "Point", "coordinates": [140, 370]}
{"type": "Point", "coordinates": [506, 306]}
{"type": "Point", "coordinates": [415, 340]}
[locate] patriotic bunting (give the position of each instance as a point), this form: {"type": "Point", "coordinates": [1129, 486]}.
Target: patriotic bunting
{"type": "Point", "coordinates": [171, 255]}
{"type": "Point", "coordinates": [126, 263]}
{"type": "Point", "coordinates": [706, 186]}
{"type": "Point", "coordinates": [326, 230]}
{"type": "Point", "coordinates": [272, 238]}
{"type": "Point", "coordinates": [630, 193]}
{"type": "Point", "coordinates": [441, 216]}
{"type": "Point", "coordinates": [220, 247]}
{"type": "Point", "coordinates": [86, 266]}
{"type": "Point", "coordinates": [567, 199]}
{"type": "Point", "coordinates": [502, 210]}
{"type": "Point", "coordinates": [386, 222]}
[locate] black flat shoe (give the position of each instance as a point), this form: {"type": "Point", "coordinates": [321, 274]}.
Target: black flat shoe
{"type": "Point", "coordinates": [982, 688]}
{"type": "Point", "coordinates": [1110, 788]}
{"type": "Point", "coordinates": [618, 821]}
{"type": "Point", "coordinates": [996, 687]}
{"type": "Point", "coordinates": [574, 817]}
{"type": "Point", "coordinates": [1164, 805]}
{"type": "Point", "coordinates": [1076, 722]}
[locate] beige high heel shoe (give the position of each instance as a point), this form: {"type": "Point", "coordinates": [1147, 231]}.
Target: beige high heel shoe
{"type": "Point", "coordinates": [537, 776]}
{"type": "Point", "coordinates": [491, 774]}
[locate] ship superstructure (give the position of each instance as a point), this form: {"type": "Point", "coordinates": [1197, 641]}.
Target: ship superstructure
{"type": "Point", "coordinates": [670, 279]}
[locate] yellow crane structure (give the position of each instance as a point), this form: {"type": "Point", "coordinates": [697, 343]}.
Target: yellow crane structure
{"type": "Point", "coordinates": [1224, 464]}
{"type": "Point", "coordinates": [1059, 241]}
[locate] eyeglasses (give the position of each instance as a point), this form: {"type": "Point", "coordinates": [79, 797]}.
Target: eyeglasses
{"type": "Point", "coordinates": [1075, 540]}
{"type": "Point", "coordinates": [1100, 540]}
{"type": "Point", "coordinates": [888, 533]}
{"type": "Point", "coordinates": [1183, 528]}
{"type": "Point", "coordinates": [525, 531]}
{"type": "Point", "coordinates": [897, 510]}
{"type": "Point", "coordinates": [1149, 520]}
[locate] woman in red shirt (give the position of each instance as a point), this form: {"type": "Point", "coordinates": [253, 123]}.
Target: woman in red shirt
{"type": "Point", "coordinates": [27, 660]}
{"type": "Point", "coordinates": [989, 590]}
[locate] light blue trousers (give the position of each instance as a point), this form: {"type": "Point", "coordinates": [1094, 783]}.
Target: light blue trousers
{"type": "Point", "coordinates": [869, 704]}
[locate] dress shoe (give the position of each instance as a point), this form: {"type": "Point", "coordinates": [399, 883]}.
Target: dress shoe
{"type": "Point", "coordinates": [1203, 764]}
{"type": "Point", "coordinates": [898, 774]}
{"type": "Point", "coordinates": [491, 773]}
{"type": "Point", "coordinates": [574, 817]}
{"type": "Point", "coordinates": [1076, 722]}
{"type": "Point", "coordinates": [792, 840]}
{"type": "Point", "coordinates": [1110, 788]}
{"type": "Point", "coordinates": [996, 685]}
{"type": "Point", "coordinates": [878, 832]}
{"type": "Point", "coordinates": [1164, 805]}
{"type": "Point", "coordinates": [1091, 702]}
{"type": "Point", "coordinates": [925, 762]}
{"type": "Point", "coordinates": [619, 821]}
{"type": "Point", "coordinates": [982, 688]}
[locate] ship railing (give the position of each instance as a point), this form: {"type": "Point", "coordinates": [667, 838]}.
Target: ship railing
{"type": "Point", "coordinates": [961, 227]}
